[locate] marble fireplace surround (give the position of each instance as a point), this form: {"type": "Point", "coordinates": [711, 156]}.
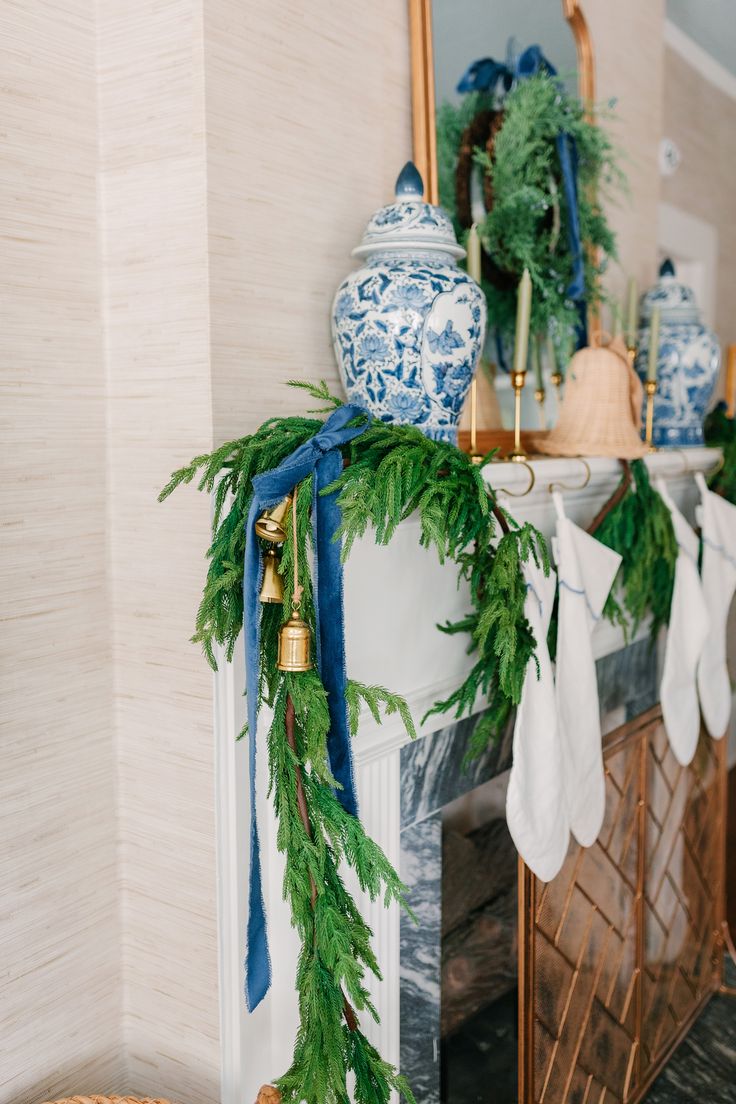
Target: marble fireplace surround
{"type": "Point", "coordinates": [401, 785]}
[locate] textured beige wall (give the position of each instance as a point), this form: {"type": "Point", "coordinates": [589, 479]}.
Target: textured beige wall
{"type": "Point", "coordinates": [701, 119]}
{"type": "Point", "coordinates": [154, 234]}
{"type": "Point", "coordinates": [308, 125]}
{"type": "Point", "coordinates": [242, 147]}
{"type": "Point", "coordinates": [59, 927]}
{"type": "Point", "coordinates": [628, 46]}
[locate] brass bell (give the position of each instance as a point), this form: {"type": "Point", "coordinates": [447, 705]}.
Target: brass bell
{"type": "Point", "coordinates": [272, 587]}
{"type": "Point", "coordinates": [270, 525]}
{"type": "Point", "coordinates": [295, 645]}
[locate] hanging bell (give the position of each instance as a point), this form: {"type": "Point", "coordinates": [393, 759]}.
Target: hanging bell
{"type": "Point", "coordinates": [270, 525]}
{"type": "Point", "coordinates": [272, 587]}
{"type": "Point", "coordinates": [295, 645]}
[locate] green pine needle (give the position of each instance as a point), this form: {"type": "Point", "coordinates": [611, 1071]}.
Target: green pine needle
{"type": "Point", "coordinates": [392, 472]}
{"type": "Point", "coordinates": [640, 529]}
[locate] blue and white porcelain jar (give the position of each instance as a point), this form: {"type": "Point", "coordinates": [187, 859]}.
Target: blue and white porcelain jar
{"type": "Point", "coordinates": [687, 365]}
{"type": "Point", "coordinates": [408, 326]}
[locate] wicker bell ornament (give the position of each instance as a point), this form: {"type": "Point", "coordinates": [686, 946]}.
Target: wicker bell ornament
{"type": "Point", "coordinates": [601, 410]}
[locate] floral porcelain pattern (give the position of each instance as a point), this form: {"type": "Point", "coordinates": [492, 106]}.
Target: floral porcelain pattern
{"type": "Point", "coordinates": [408, 327]}
{"type": "Point", "coordinates": [687, 365]}
{"type": "Point", "coordinates": [687, 369]}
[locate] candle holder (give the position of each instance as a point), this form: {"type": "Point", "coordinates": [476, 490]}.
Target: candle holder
{"type": "Point", "coordinates": [556, 380]}
{"type": "Point", "coordinates": [518, 379]}
{"type": "Point", "coordinates": [650, 386]}
{"type": "Point", "coordinates": [631, 354]}
{"type": "Point", "coordinates": [540, 395]}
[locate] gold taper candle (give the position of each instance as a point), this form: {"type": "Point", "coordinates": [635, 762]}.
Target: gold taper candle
{"type": "Point", "coordinates": [523, 313]}
{"type": "Point", "coordinates": [551, 355]}
{"type": "Point", "coordinates": [474, 272]}
{"type": "Point", "coordinates": [473, 250]}
{"type": "Point", "coordinates": [631, 313]}
{"type": "Point", "coordinates": [653, 344]}
{"type": "Point", "coordinates": [615, 320]}
{"type": "Point", "coordinates": [537, 361]}
{"type": "Point", "coordinates": [731, 381]}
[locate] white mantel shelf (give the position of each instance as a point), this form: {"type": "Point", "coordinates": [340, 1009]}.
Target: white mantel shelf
{"type": "Point", "coordinates": [394, 598]}
{"type": "Point", "coordinates": [396, 595]}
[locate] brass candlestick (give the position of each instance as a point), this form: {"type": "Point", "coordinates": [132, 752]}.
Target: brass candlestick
{"type": "Point", "coordinates": [556, 380]}
{"type": "Point", "coordinates": [650, 386]}
{"type": "Point", "coordinates": [631, 353]}
{"type": "Point", "coordinates": [540, 395]}
{"type": "Point", "coordinates": [518, 380]}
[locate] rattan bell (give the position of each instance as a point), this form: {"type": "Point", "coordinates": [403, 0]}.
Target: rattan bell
{"type": "Point", "coordinates": [601, 409]}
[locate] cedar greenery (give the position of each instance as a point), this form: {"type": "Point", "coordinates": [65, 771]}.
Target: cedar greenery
{"type": "Point", "coordinates": [640, 529]}
{"type": "Point", "coordinates": [336, 949]}
{"type": "Point", "coordinates": [527, 224]}
{"type": "Point", "coordinates": [720, 431]}
{"type": "Point", "coordinates": [391, 472]}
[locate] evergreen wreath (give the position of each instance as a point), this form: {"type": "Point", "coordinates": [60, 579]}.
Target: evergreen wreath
{"type": "Point", "coordinates": [389, 472]}
{"type": "Point", "coordinates": [526, 226]}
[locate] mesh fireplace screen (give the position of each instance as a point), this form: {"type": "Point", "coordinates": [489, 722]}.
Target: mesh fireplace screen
{"type": "Point", "coordinates": [622, 949]}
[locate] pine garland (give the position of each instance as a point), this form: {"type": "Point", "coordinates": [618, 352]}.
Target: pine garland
{"type": "Point", "coordinates": [640, 529]}
{"type": "Point", "coordinates": [316, 834]}
{"type": "Point", "coordinates": [390, 472]}
{"type": "Point", "coordinates": [720, 431]}
{"type": "Point", "coordinates": [519, 231]}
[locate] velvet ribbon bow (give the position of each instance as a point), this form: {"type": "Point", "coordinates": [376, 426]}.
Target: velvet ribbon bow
{"type": "Point", "coordinates": [319, 456]}
{"type": "Point", "coordinates": [483, 76]}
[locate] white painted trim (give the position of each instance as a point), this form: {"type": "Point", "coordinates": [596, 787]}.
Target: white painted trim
{"type": "Point", "coordinates": [689, 50]}
{"type": "Point", "coordinates": [254, 1047]}
{"type": "Point", "coordinates": [229, 873]}
{"type": "Point", "coordinates": [684, 235]}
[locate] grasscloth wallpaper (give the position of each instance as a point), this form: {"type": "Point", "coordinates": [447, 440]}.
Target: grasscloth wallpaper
{"type": "Point", "coordinates": [60, 991]}
{"type": "Point", "coordinates": [702, 121]}
{"type": "Point", "coordinates": [182, 185]}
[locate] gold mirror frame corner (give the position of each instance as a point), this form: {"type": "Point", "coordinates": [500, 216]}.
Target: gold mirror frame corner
{"type": "Point", "coordinates": [422, 82]}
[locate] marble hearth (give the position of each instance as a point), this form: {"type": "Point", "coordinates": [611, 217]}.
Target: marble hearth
{"type": "Point", "coordinates": [402, 786]}
{"type": "Point", "coordinates": [432, 775]}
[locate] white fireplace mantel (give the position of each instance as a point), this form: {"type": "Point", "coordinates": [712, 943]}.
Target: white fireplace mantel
{"type": "Point", "coordinates": [394, 598]}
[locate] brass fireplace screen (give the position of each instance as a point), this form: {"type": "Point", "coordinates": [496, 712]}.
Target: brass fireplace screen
{"type": "Point", "coordinates": [621, 951]}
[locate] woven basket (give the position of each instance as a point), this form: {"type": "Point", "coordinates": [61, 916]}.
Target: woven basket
{"type": "Point", "coordinates": [109, 1100]}
{"type": "Point", "coordinates": [601, 410]}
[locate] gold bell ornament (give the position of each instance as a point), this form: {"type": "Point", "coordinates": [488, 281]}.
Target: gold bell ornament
{"type": "Point", "coordinates": [295, 645]}
{"type": "Point", "coordinates": [270, 525]}
{"type": "Point", "coordinates": [272, 587]}
{"type": "Point", "coordinates": [295, 638]}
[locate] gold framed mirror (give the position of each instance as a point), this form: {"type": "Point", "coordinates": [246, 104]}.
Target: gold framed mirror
{"type": "Point", "coordinates": [424, 82]}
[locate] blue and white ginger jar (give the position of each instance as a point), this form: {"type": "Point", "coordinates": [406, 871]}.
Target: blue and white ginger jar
{"type": "Point", "coordinates": [687, 365]}
{"type": "Point", "coordinates": [408, 326]}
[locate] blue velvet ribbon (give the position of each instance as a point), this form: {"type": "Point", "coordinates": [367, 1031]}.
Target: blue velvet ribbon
{"type": "Point", "coordinates": [321, 457]}
{"type": "Point", "coordinates": [483, 76]}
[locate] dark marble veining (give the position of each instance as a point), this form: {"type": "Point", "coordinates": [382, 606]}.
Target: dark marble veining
{"type": "Point", "coordinates": [433, 772]}
{"type": "Point", "coordinates": [627, 679]}
{"type": "Point", "coordinates": [421, 946]}
{"type": "Point", "coordinates": [484, 1052]}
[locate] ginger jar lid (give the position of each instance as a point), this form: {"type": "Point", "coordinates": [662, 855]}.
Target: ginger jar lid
{"type": "Point", "coordinates": [409, 223]}
{"type": "Point", "coordinates": [676, 301]}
